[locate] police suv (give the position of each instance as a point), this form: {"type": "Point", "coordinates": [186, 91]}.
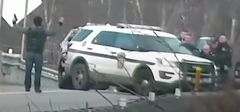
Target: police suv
{"type": "Point", "coordinates": [142, 58]}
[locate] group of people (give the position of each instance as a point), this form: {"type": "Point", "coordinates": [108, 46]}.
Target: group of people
{"type": "Point", "coordinates": [218, 51]}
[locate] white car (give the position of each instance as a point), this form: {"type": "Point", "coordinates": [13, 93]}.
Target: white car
{"type": "Point", "coordinates": [136, 56]}
{"type": "Point", "coordinates": [204, 41]}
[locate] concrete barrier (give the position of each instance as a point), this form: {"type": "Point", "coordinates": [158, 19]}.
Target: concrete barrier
{"type": "Point", "coordinates": [13, 69]}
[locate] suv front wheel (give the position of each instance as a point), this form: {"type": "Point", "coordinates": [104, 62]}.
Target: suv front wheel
{"type": "Point", "coordinates": [143, 82]}
{"type": "Point", "coordinates": [80, 77]}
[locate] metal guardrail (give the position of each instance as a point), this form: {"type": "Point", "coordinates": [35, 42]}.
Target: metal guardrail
{"type": "Point", "coordinates": [15, 60]}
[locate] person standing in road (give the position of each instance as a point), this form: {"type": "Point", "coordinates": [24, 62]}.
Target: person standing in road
{"type": "Point", "coordinates": [36, 36]}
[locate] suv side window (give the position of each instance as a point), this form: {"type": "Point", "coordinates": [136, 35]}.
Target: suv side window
{"type": "Point", "coordinates": [125, 40]}
{"type": "Point", "coordinates": [82, 35]}
{"type": "Point", "coordinates": [105, 38]}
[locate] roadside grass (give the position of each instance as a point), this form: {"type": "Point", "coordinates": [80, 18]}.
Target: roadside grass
{"type": "Point", "coordinates": [227, 100]}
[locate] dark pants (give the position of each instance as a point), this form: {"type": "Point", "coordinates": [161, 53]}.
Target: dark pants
{"type": "Point", "coordinates": [223, 74]}
{"type": "Point", "coordinates": [37, 60]}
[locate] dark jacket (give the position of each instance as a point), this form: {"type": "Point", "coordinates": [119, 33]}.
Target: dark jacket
{"type": "Point", "coordinates": [209, 56]}
{"type": "Point", "coordinates": [193, 49]}
{"type": "Point", "coordinates": [223, 54]}
{"type": "Point", "coordinates": [35, 37]}
{"type": "Point", "coordinates": [212, 49]}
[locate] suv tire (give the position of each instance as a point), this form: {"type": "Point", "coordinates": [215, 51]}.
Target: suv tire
{"type": "Point", "coordinates": [80, 77]}
{"type": "Point", "coordinates": [64, 82]}
{"type": "Point", "coordinates": [143, 82]}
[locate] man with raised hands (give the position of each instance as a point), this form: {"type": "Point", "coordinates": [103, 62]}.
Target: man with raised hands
{"type": "Point", "coordinates": [36, 36]}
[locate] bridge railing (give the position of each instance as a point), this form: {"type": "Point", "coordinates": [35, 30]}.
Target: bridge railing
{"type": "Point", "coordinates": [14, 60]}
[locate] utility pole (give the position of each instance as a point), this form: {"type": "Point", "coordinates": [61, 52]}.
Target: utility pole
{"type": "Point", "coordinates": [2, 79]}
{"type": "Point", "coordinates": [1, 10]}
{"type": "Point", "coordinates": [24, 25]}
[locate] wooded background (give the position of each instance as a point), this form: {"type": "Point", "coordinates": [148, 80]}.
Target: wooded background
{"type": "Point", "coordinates": [201, 17]}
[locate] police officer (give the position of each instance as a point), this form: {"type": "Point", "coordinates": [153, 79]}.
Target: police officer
{"type": "Point", "coordinates": [188, 43]}
{"type": "Point", "coordinates": [36, 36]}
{"type": "Point", "coordinates": [207, 53]}
{"type": "Point", "coordinates": [182, 35]}
{"type": "Point", "coordinates": [213, 44]}
{"type": "Point", "coordinates": [223, 54]}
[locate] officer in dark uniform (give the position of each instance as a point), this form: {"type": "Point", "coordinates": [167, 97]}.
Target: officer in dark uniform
{"type": "Point", "coordinates": [36, 36]}
{"type": "Point", "coordinates": [188, 43]}
{"type": "Point", "coordinates": [223, 54]}
{"type": "Point", "coordinates": [182, 35]}
{"type": "Point", "coordinates": [207, 53]}
{"type": "Point", "coordinates": [213, 45]}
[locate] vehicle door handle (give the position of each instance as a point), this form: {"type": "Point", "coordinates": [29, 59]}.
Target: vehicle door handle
{"type": "Point", "coordinates": [89, 48]}
{"type": "Point", "coordinates": [113, 53]}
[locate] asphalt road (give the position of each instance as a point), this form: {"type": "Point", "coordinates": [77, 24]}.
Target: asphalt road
{"type": "Point", "coordinates": [14, 99]}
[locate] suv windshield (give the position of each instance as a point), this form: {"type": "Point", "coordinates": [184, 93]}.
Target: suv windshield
{"type": "Point", "coordinates": [161, 44]}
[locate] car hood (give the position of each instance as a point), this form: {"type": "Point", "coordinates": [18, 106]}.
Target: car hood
{"type": "Point", "coordinates": [179, 57]}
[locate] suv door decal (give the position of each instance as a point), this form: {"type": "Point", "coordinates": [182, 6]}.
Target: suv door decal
{"type": "Point", "coordinates": [109, 56]}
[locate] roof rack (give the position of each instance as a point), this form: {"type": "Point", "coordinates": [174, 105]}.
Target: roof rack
{"type": "Point", "coordinates": [76, 27]}
{"type": "Point", "coordinates": [123, 25]}
{"type": "Point", "coordinates": [96, 24]}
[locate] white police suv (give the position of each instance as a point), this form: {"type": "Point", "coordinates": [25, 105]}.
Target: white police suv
{"type": "Point", "coordinates": [139, 57]}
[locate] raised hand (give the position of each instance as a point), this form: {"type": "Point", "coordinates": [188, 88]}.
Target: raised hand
{"type": "Point", "coordinates": [60, 21]}
{"type": "Point", "coordinates": [14, 21]}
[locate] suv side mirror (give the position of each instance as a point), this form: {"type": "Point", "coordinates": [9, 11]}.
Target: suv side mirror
{"type": "Point", "coordinates": [140, 48]}
{"type": "Point", "coordinates": [70, 38]}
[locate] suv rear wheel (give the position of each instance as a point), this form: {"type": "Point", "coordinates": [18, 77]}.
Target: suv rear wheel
{"type": "Point", "coordinates": [143, 82]}
{"type": "Point", "coordinates": [80, 77]}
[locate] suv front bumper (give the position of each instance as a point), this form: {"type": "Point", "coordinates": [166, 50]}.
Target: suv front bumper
{"type": "Point", "coordinates": [185, 86]}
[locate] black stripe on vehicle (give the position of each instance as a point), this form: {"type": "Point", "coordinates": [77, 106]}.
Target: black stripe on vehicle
{"type": "Point", "coordinates": [110, 56]}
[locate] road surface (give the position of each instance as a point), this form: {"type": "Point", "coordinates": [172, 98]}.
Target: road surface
{"type": "Point", "coordinates": [15, 99]}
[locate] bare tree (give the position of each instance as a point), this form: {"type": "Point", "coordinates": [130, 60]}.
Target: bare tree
{"type": "Point", "coordinates": [139, 11]}
{"type": "Point", "coordinates": [48, 20]}
{"type": "Point", "coordinates": [163, 14]}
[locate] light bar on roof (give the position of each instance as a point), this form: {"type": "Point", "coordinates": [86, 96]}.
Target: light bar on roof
{"type": "Point", "coordinates": [96, 24]}
{"type": "Point", "coordinates": [123, 25]}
